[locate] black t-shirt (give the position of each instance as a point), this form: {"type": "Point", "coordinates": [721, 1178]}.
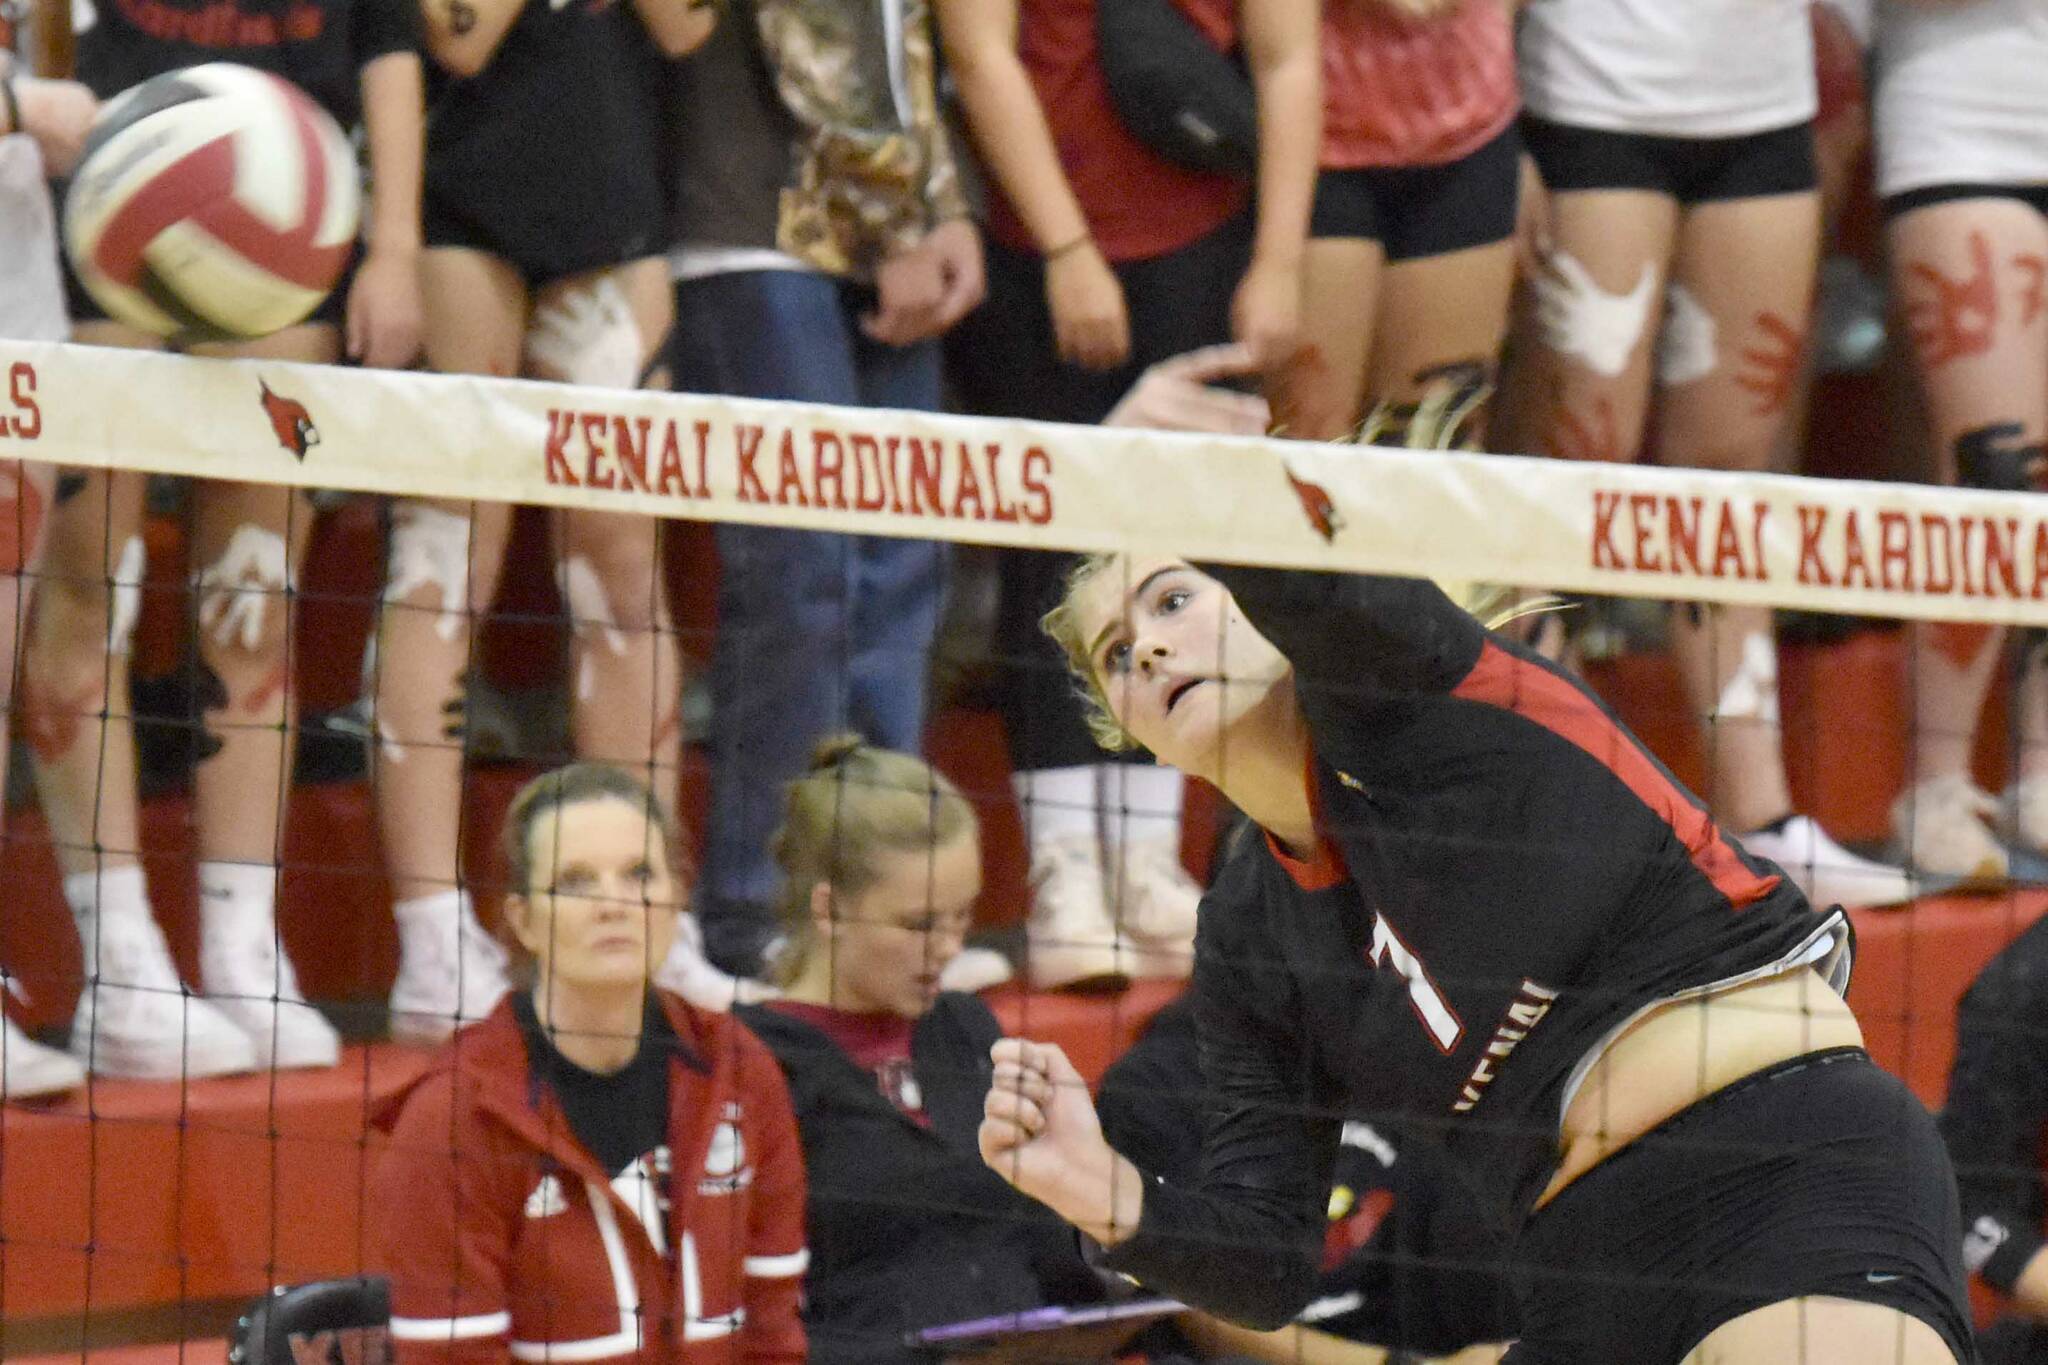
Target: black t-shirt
{"type": "Point", "coordinates": [551, 156]}
{"type": "Point", "coordinates": [622, 1117]}
{"type": "Point", "coordinates": [319, 45]}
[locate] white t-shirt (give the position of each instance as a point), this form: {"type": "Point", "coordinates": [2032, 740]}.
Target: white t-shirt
{"type": "Point", "coordinates": [1962, 94]}
{"type": "Point", "coordinates": [1674, 68]}
{"type": "Point", "coordinates": [31, 290]}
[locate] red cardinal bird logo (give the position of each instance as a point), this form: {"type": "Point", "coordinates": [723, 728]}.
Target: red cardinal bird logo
{"type": "Point", "coordinates": [290, 421]}
{"type": "Point", "coordinates": [1316, 505]}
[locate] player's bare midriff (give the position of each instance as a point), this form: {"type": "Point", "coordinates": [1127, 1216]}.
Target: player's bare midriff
{"type": "Point", "coordinates": [1685, 1050]}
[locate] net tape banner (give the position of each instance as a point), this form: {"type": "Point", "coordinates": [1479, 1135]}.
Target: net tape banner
{"type": "Point", "coordinates": [1825, 545]}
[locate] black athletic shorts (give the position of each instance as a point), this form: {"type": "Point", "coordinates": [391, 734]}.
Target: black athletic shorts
{"type": "Point", "coordinates": [333, 309]}
{"type": "Point", "coordinates": [1692, 170]}
{"type": "Point", "coordinates": [1821, 1175]}
{"type": "Point", "coordinates": [1415, 211]}
{"type": "Point", "coordinates": [2034, 197]}
{"type": "Point", "coordinates": [540, 253]}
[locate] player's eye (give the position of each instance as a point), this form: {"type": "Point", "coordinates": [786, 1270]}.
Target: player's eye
{"type": "Point", "coordinates": [641, 874]}
{"type": "Point", "coordinates": [573, 881]}
{"type": "Point", "coordinates": [1172, 600]}
{"type": "Point", "coordinates": [1117, 657]}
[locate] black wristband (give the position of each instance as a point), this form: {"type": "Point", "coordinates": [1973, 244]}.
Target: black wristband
{"type": "Point", "coordinates": [12, 103]}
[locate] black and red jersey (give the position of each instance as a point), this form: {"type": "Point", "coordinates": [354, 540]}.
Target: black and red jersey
{"type": "Point", "coordinates": [1529, 875]}
{"type": "Point", "coordinates": [319, 45]}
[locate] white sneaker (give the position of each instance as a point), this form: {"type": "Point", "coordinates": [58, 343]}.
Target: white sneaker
{"type": "Point", "coordinates": [974, 970]}
{"type": "Point", "coordinates": [1072, 943]}
{"type": "Point", "coordinates": [1156, 903]}
{"type": "Point", "coordinates": [1828, 873]}
{"type": "Point", "coordinates": [689, 974]}
{"type": "Point", "coordinates": [1941, 826]}
{"type": "Point", "coordinates": [27, 1068]}
{"type": "Point", "coordinates": [138, 1021]}
{"type": "Point", "coordinates": [450, 973]}
{"type": "Point", "coordinates": [248, 980]}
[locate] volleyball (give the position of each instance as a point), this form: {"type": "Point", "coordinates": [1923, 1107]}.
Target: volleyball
{"type": "Point", "coordinates": [213, 203]}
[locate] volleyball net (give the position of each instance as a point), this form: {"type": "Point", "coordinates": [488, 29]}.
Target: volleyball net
{"type": "Point", "coordinates": [133, 1199]}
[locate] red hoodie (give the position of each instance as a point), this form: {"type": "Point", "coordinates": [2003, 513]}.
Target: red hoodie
{"type": "Point", "coordinates": [506, 1240]}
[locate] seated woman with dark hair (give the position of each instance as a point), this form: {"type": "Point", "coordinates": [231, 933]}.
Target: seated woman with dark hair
{"type": "Point", "coordinates": [908, 1228]}
{"type": "Point", "coordinates": [598, 1171]}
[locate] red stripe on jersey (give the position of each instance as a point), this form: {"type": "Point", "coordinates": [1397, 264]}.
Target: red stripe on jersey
{"type": "Point", "coordinates": [1536, 694]}
{"type": "Point", "coordinates": [177, 192]}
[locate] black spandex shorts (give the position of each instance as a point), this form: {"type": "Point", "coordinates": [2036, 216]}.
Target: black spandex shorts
{"type": "Point", "coordinates": [332, 310]}
{"type": "Point", "coordinates": [1414, 211]}
{"type": "Point", "coordinates": [540, 252]}
{"type": "Point", "coordinates": [2034, 197]}
{"type": "Point", "coordinates": [1822, 1175]}
{"type": "Point", "coordinates": [1692, 170]}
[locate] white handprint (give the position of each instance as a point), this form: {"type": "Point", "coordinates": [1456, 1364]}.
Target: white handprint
{"type": "Point", "coordinates": [235, 591]}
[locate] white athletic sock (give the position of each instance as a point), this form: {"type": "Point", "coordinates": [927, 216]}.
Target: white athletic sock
{"type": "Point", "coordinates": [108, 901]}
{"type": "Point", "coordinates": [437, 912]}
{"type": "Point", "coordinates": [1059, 803]}
{"type": "Point", "coordinates": [1141, 803]}
{"type": "Point", "coordinates": [237, 897]}
{"type": "Point", "coordinates": [108, 893]}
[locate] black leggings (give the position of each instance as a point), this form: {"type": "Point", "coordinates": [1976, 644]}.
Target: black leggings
{"type": "Point", "coordinates": [1003, 363]}
{"type": "Point", "coordinates": [1819, 1176]}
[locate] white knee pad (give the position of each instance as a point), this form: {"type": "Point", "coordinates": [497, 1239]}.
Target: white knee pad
{"type": "Point", "coordinates": [430, 549]}
{"type": "Point", "coordinates": [1578, 318]}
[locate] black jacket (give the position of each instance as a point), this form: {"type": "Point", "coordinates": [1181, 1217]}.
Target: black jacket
{"type": "Point", "coordinates": [1997, 1112]}
{"type": "Point", "coordinates": [1498, 848]}
{"type": "Point", "coordinates": [908, 1229]}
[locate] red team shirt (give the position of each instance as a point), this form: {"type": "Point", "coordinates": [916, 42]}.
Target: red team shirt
{"type": "Point", "coordinates": [1401, 93]}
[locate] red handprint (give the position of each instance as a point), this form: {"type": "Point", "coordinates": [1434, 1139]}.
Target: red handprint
{"type": "Point", "coordinates": [2034, 295]}
{"type": "Point", "coordinates": [1595, 437]}
{"type": "Point", "coordinates": [1770, 369]}
{"type": "Point", "coordinates": [1961, 315]}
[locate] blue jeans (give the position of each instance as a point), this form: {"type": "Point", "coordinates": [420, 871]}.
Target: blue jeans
{"type": "Point", "coordinates": [817, 632]}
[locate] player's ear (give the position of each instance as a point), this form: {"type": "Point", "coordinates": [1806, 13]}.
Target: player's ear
{"type": "Point", "coordinates": [522, 920]}
{"type": "Point", "coordinates": [821, 908]}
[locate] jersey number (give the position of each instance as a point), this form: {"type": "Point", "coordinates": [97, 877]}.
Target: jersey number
{"type": "Point", "coordinates": [1428, 1002]}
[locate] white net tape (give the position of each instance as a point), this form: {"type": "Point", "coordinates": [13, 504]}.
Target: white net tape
{"type": "Point", "coordinates": [1824, 545]}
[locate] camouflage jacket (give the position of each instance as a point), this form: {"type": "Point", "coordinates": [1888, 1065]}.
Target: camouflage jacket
{"type": "Point", "coordinates": [813, 127]}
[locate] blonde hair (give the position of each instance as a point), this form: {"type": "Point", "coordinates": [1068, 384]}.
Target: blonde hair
{"type": "Point", "coordinates": [1494, 604]}
{"type": "Point", "coordinates": [856, 803]}
{"type": "Point", "coordinates": [547, 796]}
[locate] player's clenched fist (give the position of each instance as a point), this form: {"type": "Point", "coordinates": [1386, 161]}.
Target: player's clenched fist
{"type": "Point", "coordinates": [1040, 1133]}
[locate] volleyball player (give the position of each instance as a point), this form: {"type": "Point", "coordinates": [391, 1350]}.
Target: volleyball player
{"type": "Point", "coordinates": [1962, 165]}
{"type": "Point", "coordinates": [1676, 145]}
{"type": "Point", "coordinates": [1411, 254]}
{"type": "Point", "coordinates": [1106, 257]}
{"type": "Point", "coordinates": [1626, 1027]}
{"type": "Point", "coordinates": [42, 124]}
{"type": "Point", "coordinates": [356, 58]}
{"type": "Point", "coordinates": [543, 220]}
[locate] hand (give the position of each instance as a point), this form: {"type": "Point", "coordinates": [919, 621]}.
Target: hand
{"type": "Point", "coordinates": [1266, 314]}
{"type": "Point", "coordinates": [384, 310]}
{"type": "Point", "coordinates": [58, 115]}
{"type": "Point", "coordinates": [1039, 1132]}
{"type": "Point", "coordinates": [1177, 395]}
{"type": "Point", "coordinates": [910, 286]}
{"type": "Point", "coordinates": [1532, 219]}
{"type": "Point", "coordinates": [587, 335]}
{"type": "Point", "coordinates": [1089, 322]}
{"type": "Point", "coordinates": [957, 245]}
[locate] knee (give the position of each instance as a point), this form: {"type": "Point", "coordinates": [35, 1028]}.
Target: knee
{"type": "Point", "coordinates": [613, 586]}
{"type": "Point", "coordinates": [244, 598]}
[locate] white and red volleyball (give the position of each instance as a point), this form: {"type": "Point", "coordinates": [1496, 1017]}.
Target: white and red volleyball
{"type": "Point", "coordinates": [213, 203]}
